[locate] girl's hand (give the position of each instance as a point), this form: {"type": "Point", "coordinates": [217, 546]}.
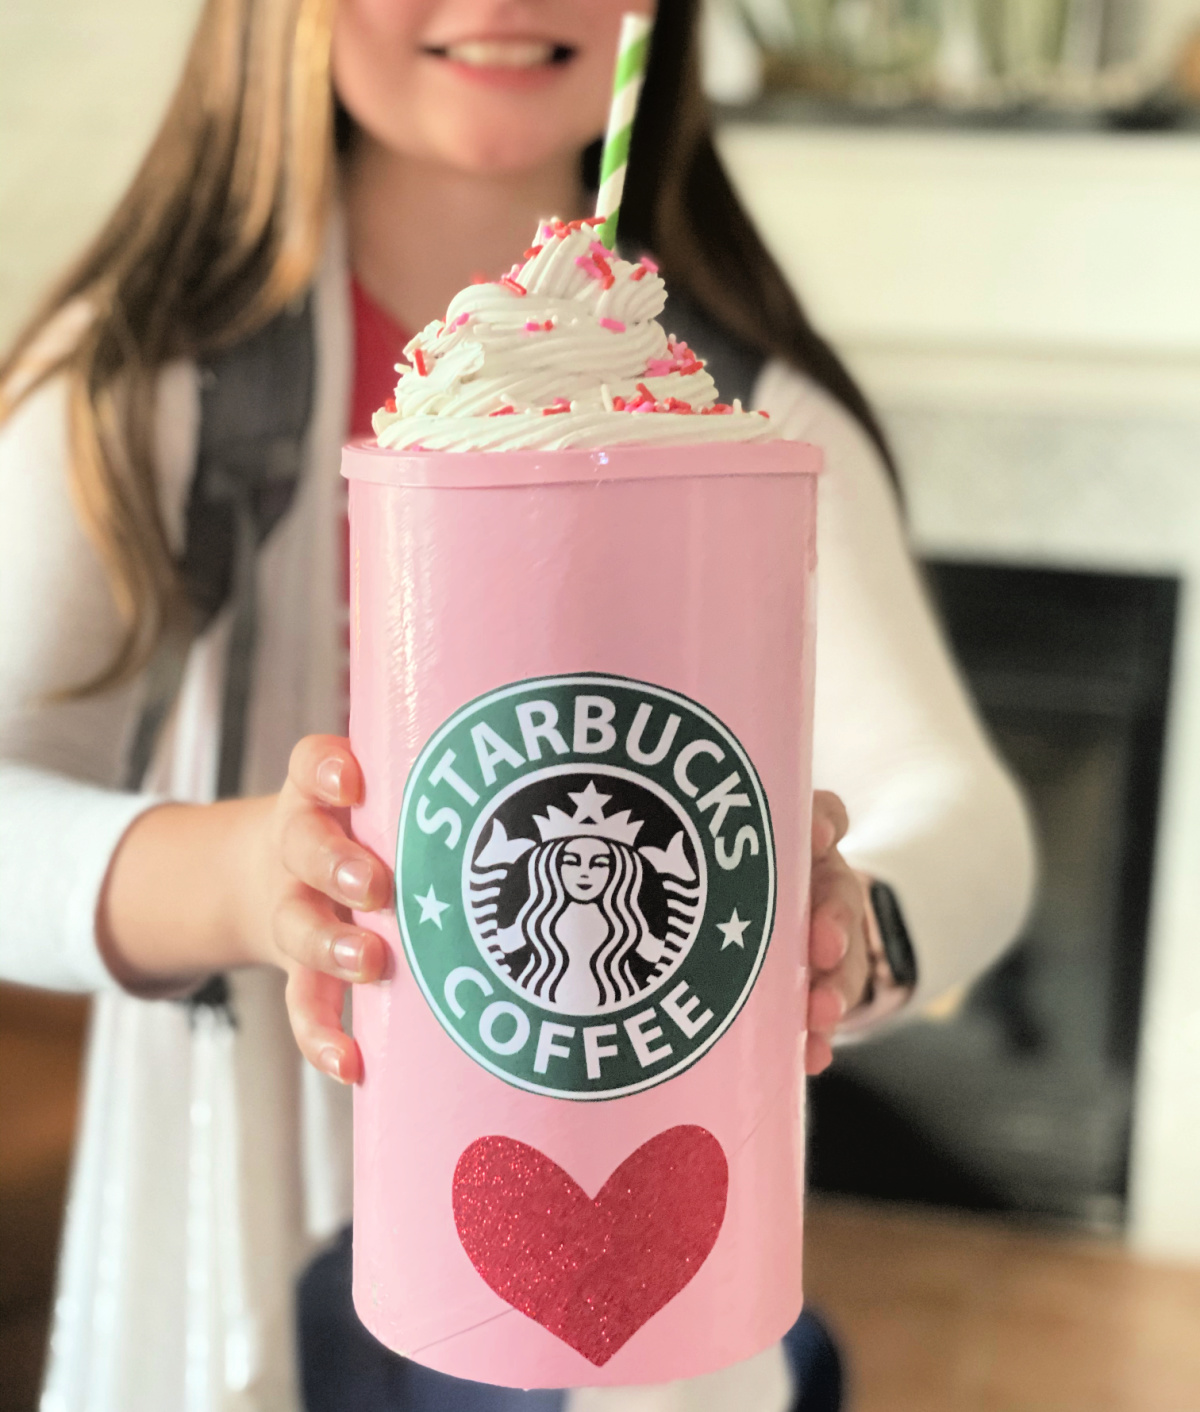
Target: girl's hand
{"type": "Point", "coordinates": [320, 873]}
{"type": "Point", "coordinates": [839, 965]}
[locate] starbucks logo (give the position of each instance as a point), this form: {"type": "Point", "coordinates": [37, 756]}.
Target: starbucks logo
{"type": "Point", "coordinates": [585, 882]}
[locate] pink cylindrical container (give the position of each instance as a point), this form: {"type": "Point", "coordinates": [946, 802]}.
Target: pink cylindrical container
{"type": "Point", "coordinates": [581, 694]}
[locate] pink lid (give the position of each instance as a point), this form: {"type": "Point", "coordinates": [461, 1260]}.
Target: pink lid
{"type": "Point", "coordinates": [363, 460]}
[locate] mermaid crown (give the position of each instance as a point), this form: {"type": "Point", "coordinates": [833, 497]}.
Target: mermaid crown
{"type": "Point", "coordinates": [589, 820]}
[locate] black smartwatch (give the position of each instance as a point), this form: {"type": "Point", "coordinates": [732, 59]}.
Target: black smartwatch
{"type": "Point", "coordinates": [893, 934]}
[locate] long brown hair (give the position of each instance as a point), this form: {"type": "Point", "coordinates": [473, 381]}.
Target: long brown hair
{"type": "Point", "coordinates": [223, 225]}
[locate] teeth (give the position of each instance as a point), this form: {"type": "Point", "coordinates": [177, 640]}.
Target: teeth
{"type": "Point", "coordinates": [501, 53]}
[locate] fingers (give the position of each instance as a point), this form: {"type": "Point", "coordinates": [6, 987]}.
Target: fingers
{"type": "Point", "coordinates": [830, 822]}
{"type": "Point", "coordinates": [818, 1054]}
{"type": "Point", "coordinates": [838, 954]}
{"type": "Point", "coordinates": [308, 931]}
{"type": "Point", "coordinates": [323, 770]}
{"type": "Point", "coordinates": [316, 851]}
{"type": "Point", "coordinates": [314, 1003]}
{"type": "Point", "coordinates": [826, 1006]}
{"type": "Point", "coordinates": [838, 909]}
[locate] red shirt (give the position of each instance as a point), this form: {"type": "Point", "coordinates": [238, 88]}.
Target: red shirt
{"type": "Point", "coordinates": [378, 346]}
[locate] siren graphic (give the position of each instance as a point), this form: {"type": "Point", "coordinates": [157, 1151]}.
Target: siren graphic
{"type": "Point", "coordinates": [573, 911]}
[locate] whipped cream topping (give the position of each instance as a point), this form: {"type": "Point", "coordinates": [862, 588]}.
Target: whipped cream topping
{"type": "Point", "coordinates": [564, 351]}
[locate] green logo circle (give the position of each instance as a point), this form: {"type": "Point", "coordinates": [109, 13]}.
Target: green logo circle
{"type": "Point", "coordinates": [585, 882]}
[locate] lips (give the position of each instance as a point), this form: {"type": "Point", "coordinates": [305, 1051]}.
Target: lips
{"type": "Point", "coordinates": [518, 54]}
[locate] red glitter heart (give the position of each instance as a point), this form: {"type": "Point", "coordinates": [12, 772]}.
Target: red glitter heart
{"type": "Point", "coordinates": [591, 1270]}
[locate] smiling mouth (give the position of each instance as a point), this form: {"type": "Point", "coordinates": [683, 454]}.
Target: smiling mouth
{"type": "Point", "coordinates": [503, 53]}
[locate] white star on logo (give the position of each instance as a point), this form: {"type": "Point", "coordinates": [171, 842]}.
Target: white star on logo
{"type": "Point", "coordinates": [733, 930]}
{"type": "Point", "coordinates": [432, 909]}
{"type": "Point", "coordinates": [589, 804]}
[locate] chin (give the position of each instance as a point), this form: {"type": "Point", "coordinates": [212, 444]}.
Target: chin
{"type": "Point", "coordinates": [503, 157]}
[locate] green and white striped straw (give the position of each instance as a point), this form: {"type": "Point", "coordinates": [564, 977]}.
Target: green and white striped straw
{"type": "Point", "coordinates": [632, 49]}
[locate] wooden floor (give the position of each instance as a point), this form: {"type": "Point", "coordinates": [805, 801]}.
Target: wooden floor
{"type": "Point", "coordinates": [41, 1036]}
{"type": "Point", "coordinates": [935, 1313]}
{"type": "Point", "coordinates": [938, 1313]}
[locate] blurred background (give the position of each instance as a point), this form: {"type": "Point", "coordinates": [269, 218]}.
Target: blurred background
{"type": "Point", "coordinates": [992, 207]}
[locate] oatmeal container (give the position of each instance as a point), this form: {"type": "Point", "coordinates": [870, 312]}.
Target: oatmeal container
{"type": "Point", "coordinates": [581, 694]}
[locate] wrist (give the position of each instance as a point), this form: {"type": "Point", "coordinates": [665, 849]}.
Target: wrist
{"type": "Point", "coordinates": [246, 862]}
{"type": "Point", "coordinates": [891, 979]}
{"type": "Point", "coordinates": [178, 902]}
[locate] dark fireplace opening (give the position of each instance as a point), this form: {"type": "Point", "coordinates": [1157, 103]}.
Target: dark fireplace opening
{"type": "Point", "coordinates": [1018, 1098]}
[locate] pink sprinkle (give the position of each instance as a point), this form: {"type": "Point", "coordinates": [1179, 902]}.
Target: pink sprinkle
{"type": "Point", "coordinates": [660, 367]}
{"type": "Point", "coordinates": [532, 326]}
{"type": "Point", "coordinates": [602, 250]}
{"type": "Point", "coordinates": [462, 319]}
{"type": "Point", "coordinates": [648, 264]}
{"type": "Point", "coordinates": [615, 324]}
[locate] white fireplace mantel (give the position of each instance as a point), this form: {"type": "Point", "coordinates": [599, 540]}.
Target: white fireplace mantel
{"type": "Point", "coordinates": [1025, 312]}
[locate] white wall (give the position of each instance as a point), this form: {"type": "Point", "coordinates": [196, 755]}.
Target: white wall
{"type": "Point", "coordinates": [1025, 312]}
{"type": "Point", "coordinates": [83, 84]}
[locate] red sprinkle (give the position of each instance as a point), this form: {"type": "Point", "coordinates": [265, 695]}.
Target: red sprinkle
{"type": "Point", "coordinates": [390, 405]}
{"type": "Point", "coordinates": [639, 273]}
{"type": "Point", "coordinates": [615, 324]}
{"type": "Point", "coordinates": [618, 404]}
{"type": "Point", "coordinates": [509, 283]}
{"type": "Point", "coordinates": [532, 251]}
{"type": "Point", "coordinates": [479, 277]}
{"type": "Point", "coordinates": [645, 391]}
{"type": "Point", "coordinates": [419, 360]}
{"type": "Point", "coordinates": [761, 413]}
{"type": "Point", "coordinates": [594, 220]}
{"type": "Point", "coordinates": [502, 412]}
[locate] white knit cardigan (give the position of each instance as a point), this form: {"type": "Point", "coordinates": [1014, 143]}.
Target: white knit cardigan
{"type": "Point", "coordinates": [211, 1161]}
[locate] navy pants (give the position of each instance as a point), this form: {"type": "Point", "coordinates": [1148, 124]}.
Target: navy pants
{"type": "Point", "coordinates": [345, 1369]}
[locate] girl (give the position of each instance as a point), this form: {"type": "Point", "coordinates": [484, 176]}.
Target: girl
{"type": "Point", "coordinates": [328, 175]}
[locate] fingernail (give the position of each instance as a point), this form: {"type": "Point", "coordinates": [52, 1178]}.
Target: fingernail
{"type": "Point", "coordinates": [329, 778]}
{"type": "Point", "coordinates": [353, 879]}
{"type": "Point", "coordinates": [347, 954]}
{"type": "Point", "coordinates": [331, 1061]}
